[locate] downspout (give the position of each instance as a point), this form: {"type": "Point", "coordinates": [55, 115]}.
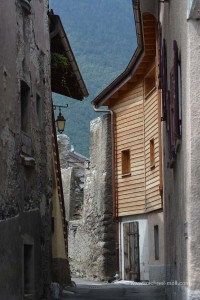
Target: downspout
{"type": "Point", "coordinates": [115, 208]}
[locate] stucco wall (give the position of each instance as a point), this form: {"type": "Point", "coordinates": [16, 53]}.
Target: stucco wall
{"type": "Point", "coordinates": [181, 184]}
{"type": "Point", "coordinates": [25, 190]}
{"type": "Point", "coordinates": [156, 266]}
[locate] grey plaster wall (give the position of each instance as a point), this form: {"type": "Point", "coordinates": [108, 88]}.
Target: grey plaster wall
{"type": "Point", "coordinates": [156, 266]}
{"type": "Point", "coordinates": [92, 237]}
{"type": "Point", "coordinates": [181, 184]}
{"type": "Point", "coordinates": [25, 158]}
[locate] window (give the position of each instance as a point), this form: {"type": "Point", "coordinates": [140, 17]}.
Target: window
{"type": "Point", "coordinates": [150, 82]}
{"type": "Point", "coordinates": [28, 269]}
{"type": "Point", "coordinates": [174, 109]}
{"type": "Point", "coordinates": [126, 166]}
{"type": "Point", "coordinates": [25, 95]}
{"type": "Point", "coordinates": [152, 154]}
{"type": "Point", "coordinates": [38, 109]}
{"type": "Point", "coordinates": [180, 94]}
{"type": "Point", "coordinates": [156, 242]}
{"type": "Point", "coordinates": [164, 85]}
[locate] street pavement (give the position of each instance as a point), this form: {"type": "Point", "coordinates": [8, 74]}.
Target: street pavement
{"type": "Point", "coordinates": [88, 290]}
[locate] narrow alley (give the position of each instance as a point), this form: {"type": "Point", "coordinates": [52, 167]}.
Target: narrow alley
{"type": "Point", "coordinates": [86, 290]}
{"type": "Point", "coordinates": [100, 150]}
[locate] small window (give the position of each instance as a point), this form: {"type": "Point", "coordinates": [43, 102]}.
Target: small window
{"type": "Point", "coordinates": [28, 270]}
{"type": "Point", "coordinates": [150, 83]}
{"type": "Point", "coordinates": [174, 108]}
{"type": "Point", "coordinates": [156, 242]}
{"type": "Point", "coordinates": [126, 166]}
{"type": "Point", "coordinates": [38, 109]}
{"type": "Point", "coordinates": [25, 95]}
{"type": "Point", "coordinates": [180, 95]}
{"type": "Point", "coordinates": [152, 154]}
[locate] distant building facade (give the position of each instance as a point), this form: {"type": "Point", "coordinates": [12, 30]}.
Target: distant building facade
{"type": "Point", "coordinates": [73, 175]}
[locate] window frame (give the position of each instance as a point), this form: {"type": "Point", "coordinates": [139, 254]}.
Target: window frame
{"type": "Point", "coordinates": [152, 153]}
{"type": "Point", "coordinates": [156, 242]}
{"type": "Point", "coordinates": [25, 106]}
{"type": "Point", "coordinates": [174, 134]}
{"type": "Point", "coordinates": [126, 162]}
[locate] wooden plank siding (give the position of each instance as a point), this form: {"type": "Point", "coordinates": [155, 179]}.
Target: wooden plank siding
{"type": "Point", "coordinates": [136, 124]}
{"type": "Point", "coordinates": [129, 134]}
{"type": "Point", "coordinates": [151, 132]}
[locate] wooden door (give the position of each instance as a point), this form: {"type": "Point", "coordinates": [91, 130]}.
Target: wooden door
{"type": "Point", "coordinates": [131, 251]}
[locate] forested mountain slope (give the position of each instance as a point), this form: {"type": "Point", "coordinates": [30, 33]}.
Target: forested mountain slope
{"type": "Point", "coordinates": [102, 37]}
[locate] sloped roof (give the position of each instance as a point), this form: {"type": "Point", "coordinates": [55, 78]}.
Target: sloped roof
{"type": "Point", "coordinates": [70, 83]}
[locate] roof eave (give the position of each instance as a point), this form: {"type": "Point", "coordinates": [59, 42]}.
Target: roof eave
{"type": "Point", "coordinates": [70, 55]}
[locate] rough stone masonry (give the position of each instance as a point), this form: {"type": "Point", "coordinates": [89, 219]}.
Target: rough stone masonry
{"type": "Point", "coordinates": [92, 234]}
{"type": "Point", "coordinates": [25, 150]}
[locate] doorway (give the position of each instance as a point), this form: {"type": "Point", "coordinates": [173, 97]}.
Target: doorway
{"type": "Point", "coordinates": [134, 248]}
{"type": "Point", "coordinates": [131, 251]}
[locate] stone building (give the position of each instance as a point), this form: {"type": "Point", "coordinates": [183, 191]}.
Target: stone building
{"type": "Point", "coordinates": [73, 176]}
{"type": "Point", "coordinates": [25, 150]}
{"type": "Point", "coordinates": [30, 180]}
{"type": "Point", "coordinates": [89, 209]}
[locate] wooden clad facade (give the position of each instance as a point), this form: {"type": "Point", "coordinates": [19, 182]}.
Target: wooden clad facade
{"type": "Point", "coordinates": [136, 106]}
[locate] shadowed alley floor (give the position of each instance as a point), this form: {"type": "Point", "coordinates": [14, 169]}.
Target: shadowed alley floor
{"type": "Point", "coordinates": [87, 290]}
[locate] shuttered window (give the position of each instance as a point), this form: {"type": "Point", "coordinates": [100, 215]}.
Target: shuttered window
{"type": "Point", "coordinates": [160, 55]}
{"type": "Point", "coordinates": [174, 116]}
{"type": "Point", "coordinates": [171, 100]}
{"type": "Point", "coordinates": [164, 80]}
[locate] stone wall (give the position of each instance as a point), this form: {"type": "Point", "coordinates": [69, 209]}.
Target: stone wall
{"type": "Point", "coordinates": [25, 149]}
{"type": "Point", "coordinates": [92, 234]}
{"type": "Point", "coordinates": [73, 176]}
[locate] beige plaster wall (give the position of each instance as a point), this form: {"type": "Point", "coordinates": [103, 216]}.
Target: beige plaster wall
{"type": "Point", "coordinates": [58, 242]}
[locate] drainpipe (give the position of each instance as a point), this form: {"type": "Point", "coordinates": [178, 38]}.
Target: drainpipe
{"type": "Point", "coordinates": [115, 209]}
